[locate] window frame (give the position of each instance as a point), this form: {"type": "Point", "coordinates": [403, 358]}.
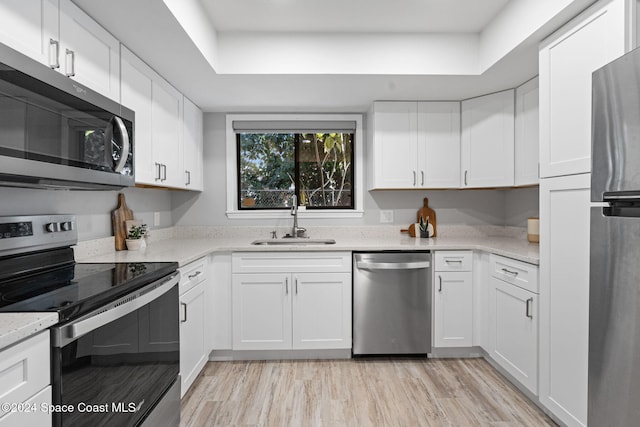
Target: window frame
{"type": "Point", "coordinates": [233, 211]}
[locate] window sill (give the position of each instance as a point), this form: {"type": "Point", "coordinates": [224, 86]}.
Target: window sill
{"type": "Point", "coordinates": [351, 213]}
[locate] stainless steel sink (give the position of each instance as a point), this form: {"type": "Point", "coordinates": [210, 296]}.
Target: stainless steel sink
{"type": "Point", "coordinates": [293, 241]}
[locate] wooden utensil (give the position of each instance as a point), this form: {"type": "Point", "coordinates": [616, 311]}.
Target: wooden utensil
{"type": "Point", "coordinates": [411, 230]}
{"type": "Point", "coordinates": [425, 212]}
{"type": "Point", "coordinates": [119, 215]}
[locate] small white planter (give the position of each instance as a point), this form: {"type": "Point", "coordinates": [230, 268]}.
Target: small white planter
{"type": "Point", "coordinates": [133, 244]}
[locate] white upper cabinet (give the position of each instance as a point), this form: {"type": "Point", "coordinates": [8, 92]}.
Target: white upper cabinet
{"type": "Point", "coordinates": [415, 144]}
{"type": "Point", "coordinates": [193, 139]}
{"type": "Point", "coordinates": [63, 37]}
{"type": "Point", "coordinates": [31, 27]}
{"type": "Point", "coordinates": [567, 59]}
{"type": "Point", "coordinates": [527, 134]}
{"type": "Point", "coordinates": [488, 140]}
{"type": "Point", "coordinates": [158, 131]}
{"type": "Point", "coordinates": [439, 144]}
{"type": "Point", "coordinates": [88, 53]}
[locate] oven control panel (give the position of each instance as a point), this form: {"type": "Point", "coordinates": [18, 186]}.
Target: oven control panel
{"type": "Point", "coordinates": [34, 232]}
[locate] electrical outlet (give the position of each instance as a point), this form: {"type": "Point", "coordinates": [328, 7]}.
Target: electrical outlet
{"type": "Point", "coordinates": [156, 219]}
{"type": "Point", "coordinates": [386, 217]}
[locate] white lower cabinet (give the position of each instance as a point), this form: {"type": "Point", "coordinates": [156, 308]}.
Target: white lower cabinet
{"type": "Point", "coordinates": [513, 317]}
{"type": "Point", "coordinates": [453, 299]}
{"type": "Point", "coordinates": [26, 379]}
{"type": "Point", "coordinates": [291, 300]}
{"type": "Point", "coordinates": [193, 342]}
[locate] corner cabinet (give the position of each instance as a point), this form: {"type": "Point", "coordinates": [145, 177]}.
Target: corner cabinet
{"type": "Point", "coordinates": [488, 140]}
{"type": "Point", "coordinates": [61, 36]}
{"type": "Point", "coordinates": [194, 349]}
{"type": "Point", "coordinates": [291, 300]}
{"type": "Point", "coordinates": [415, 144]}
{"type": "Point", "coordinates": [567, 60]}
{"type": "Point", "coordinates": [513, 318]}
{"type": "Point", "coordinates": [453, 299]}
{"type": "Point", "coordinates": [527, 145]}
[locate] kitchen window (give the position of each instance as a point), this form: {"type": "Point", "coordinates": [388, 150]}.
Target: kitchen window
{"type": "Point", "coordinates": [317, 158]}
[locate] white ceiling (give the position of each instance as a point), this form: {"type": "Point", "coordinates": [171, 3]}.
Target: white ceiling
{"type": "Point", "coordinates": [365, 16]}
{"type": "Point", "coordinates": [292, 56]}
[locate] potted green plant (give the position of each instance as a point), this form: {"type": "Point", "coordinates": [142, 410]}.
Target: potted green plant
{"type": "Point", "coordinates": [135, 235]}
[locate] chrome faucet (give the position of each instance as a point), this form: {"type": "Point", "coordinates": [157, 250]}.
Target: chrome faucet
{"type": "Point", "coordinates": [295, 230]}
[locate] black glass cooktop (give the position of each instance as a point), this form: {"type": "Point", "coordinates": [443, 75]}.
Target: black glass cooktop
{"type": "Point", "coordinates": [52, 281]}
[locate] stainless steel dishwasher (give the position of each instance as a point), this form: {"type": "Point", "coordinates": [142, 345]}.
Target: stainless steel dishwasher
{"type": "Point", "coordinates": [391, 303]}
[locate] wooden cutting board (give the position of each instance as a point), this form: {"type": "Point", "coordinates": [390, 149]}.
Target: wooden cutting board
{"type": "Point", "coordinates": [425, 212]}
{"type": "Point", "coordinates": [119, 215]}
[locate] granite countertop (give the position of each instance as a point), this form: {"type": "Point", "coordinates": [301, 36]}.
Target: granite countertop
{"type": "Point", "coordinates": [190, 243]}
{"type": "Point", "coordinates": [15, 327]}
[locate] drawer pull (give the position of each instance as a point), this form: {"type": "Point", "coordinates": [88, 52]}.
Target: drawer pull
{"type": "Point", "coordinates": [514, 273]}
{"type": "Point", "coordinates": [528, 308]}
{"type": "Point", "coordinates": [440, 285]}
{"type": "Point", "coordinates": [194, 275]}
{"type": "Point", "coordinates": [453, 261]}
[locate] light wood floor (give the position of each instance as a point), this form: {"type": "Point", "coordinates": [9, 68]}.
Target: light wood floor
{"type": "Point", "coordinates": [359, 392]}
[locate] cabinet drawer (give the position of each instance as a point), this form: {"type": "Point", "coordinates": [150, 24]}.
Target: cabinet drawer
{"type": "Point", "coordinates": [35, 416]}
{"type": "Point", "coordinates": [24, 369]}
{"type": "Point", "coordinates": [453, 260]}
{"type": "Point", "coordinates": [521, 274]}
{"type": "Point", "coordinates": [192, 274]}
{"type": "Point", "coordinates": [291, 262]}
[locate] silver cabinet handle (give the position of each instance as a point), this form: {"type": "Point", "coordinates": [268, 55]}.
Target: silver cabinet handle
{"type": "Point", "coordinates": [465, 177]}
{"type": "Point", "coordinates": [514, 273]}
{"type": "Point", "coordinates": [184, 306]}
{"type": "Point", "coordinates": [440, 285]}
{"type": "Point", "coordinates": [529, 303]}
{"type": "Point", "coordinates": [54, 53]}
{"type": "Point", "coordinates": [164, 172]}
{"type": "Point", "coordinates": [296, 283]}
{"type": "Point", "coordinates": [158, 174]}
{"type": "Point", "coordinates": [414, 178]}
{"type": "Point", "coordinates": [70, 63]}
{"type": "Point", "coordinates": [188, 173]}
{"type": "Point", "coordinates": [453, 261]}
{"type": "Point", "coordinates": [194, 275]}
{"type": "Point", "coordinates": [422, 177]}
{"type": "Point", "coordinates": [286, 286]}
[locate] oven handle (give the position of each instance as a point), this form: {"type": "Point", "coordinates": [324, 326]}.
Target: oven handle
{"type": "Point", "coordinates": [65, 334]}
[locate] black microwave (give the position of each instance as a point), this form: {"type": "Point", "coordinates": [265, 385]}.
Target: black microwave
{"type": "Point", "coordinates": [56, 133]}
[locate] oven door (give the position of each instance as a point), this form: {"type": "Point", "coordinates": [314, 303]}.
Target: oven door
{"type": "Point", "coordinates": [112, 367]}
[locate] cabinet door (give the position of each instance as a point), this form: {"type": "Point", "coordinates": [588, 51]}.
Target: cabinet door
{"type": "Point", "coordinates": [193, 354]}
{"type": "Point", "coordinates": [88, 53]}
{"type": "Point", "coordinates": [166, 132]}
{"type": "Point", "coordinates": [453, 309]}
{"type": "Point", "coordinates": [31, 27]}
{"type": "Point", "coordinates": [192, 138]}
{"type": "Point", "coordinates": [321, 310]}
{"type": "Point", "coordinates": [514, 331]}
{"type": "Point", "coordinates": [137, 94]}
{"type": "Point", "coordinates": [395, 133]}
{"type": "Point", "coordinates": [261, 311]}
{"type": "Point", "coordinates": [567, 60]}
{"type": "Point", "coordinates": [564, 296]}
{"type": "Point", "coordinates": [438, 144]}
{"type": "Point", "coordinates": [527, 133]}
{"type": "Point", "coordinates": [488, 140]}
{"type": "Point", "coordinates": [33, 418]}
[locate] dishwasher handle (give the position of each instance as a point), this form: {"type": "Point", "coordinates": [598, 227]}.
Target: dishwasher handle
{"type": "Point", "coordinates": [365, 265]}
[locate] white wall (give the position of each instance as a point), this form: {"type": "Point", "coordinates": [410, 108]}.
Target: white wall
{"type": "Point", "coordinates": [92, 208]}
{"type": "Point", "coordinates": [468, 207]}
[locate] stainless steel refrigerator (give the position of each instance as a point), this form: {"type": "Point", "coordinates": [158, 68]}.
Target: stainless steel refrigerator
{"type": "Point", "coordinates": [614, 296]}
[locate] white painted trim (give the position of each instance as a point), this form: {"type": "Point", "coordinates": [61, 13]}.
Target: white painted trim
{"type": "Point", "coordinates": [232, 185]}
